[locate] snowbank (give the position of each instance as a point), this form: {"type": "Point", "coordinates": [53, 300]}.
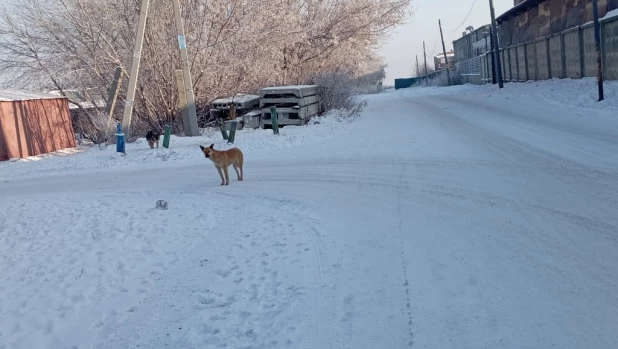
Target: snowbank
{"type": "Point", "coordinates": [183, 150]}
{"type": "Point", "coordinates": [579, 94]}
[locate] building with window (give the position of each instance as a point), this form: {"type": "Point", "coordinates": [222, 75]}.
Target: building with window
{"type": "Point", "coordinates": [440, 63]}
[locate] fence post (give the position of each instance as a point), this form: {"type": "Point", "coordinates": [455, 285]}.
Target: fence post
{"type": "Point", "coordinates": [517, 62]}
{"type": "Point", "coordinates": [232, 132]}
{"type": "Point", "coordinates": [223, 131]}
{"type": "Point", "coordinates": [536, 62]}
{"type": "Point", "coordinates": [166, 136]}
{"type": "Point", "coordinates": [526, 62]}
{"type": "Point", "coordinates": [507, 64]}
{"type": "Point", "coordinates": [547, 49]}
{"type": "Point", "coordinates": [508, 54]}
{"type": "Point", "coordinates": [563, 69]}
{"type": "Point", "coordinates": [582, 62]}
{"type": "Point", "coordinates": [273, 118]}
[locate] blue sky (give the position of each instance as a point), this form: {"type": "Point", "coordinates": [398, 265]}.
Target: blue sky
{"type": "Point", "coordinates": [407, 42]}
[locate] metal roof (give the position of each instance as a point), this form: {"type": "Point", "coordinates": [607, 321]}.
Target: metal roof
{"type": "Point", "coordinates": [519, 9]}
{"type": "Point", "coordinates": [20, 95]}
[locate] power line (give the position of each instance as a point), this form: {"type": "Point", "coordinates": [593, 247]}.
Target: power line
{"type": "Point", "coordinates": [434, 43]}
{"type": "Point", "coordinates": [465, 19]}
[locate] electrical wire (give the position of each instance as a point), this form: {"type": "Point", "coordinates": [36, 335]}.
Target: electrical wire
{"type": "Point", "coordinates": [465, 19]}
{"type": "Point", "coordinates": [434, 43]}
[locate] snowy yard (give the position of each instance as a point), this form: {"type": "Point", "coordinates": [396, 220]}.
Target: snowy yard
{"type": "Point", "coordinates": [461, 217]}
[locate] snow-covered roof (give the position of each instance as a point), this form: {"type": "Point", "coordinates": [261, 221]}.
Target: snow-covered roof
{"type": "Point", "coordinates": [21, 95]}
{"type": "Point", "coordinates": [449, 54]}
{"type": "Point", "coordinates": [253, 113]}
{"type": "Point", "coordinates": [289, 87]}
{"type": "Point", "coordinates": [84, 101]}
{"type": "Point", "coordinates": [240, 98]}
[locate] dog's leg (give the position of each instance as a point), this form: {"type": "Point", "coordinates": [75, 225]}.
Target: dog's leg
{"type": "Point", "coordinates": [150, 144]}
{"type": "Point", "coordinates": [227, 176]}
{"type": "Point", "coordinates": [239, 163]}
{"type": "Point", "coordinates": [221, 174]}
{"type": "Point", "coordinates": [237, 173]}
{"type": "Point", "coordinates": [157, 144]}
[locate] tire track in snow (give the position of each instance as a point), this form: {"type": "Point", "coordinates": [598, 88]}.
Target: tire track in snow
{"type": "Point", "coordinates": [406, 283]}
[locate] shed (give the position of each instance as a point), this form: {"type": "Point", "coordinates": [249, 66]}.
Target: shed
{"type": "Point", "coordinates": [33, 123]}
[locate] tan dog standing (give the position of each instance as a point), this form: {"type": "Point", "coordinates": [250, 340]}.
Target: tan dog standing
{"type": "Point", "coordinates": [223, 159]}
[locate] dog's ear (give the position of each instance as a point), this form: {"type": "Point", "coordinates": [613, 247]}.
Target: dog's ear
{"type": "Point", "coordinates": [212, 146]}
{"type": "Point", "coordinates": [201, 147]}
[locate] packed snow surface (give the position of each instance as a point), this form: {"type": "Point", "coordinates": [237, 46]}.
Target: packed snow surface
{"type": "Point", "coordinates": [463, 217]}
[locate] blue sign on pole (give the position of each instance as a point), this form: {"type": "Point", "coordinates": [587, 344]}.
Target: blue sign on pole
{"type": "Point", "coordinates": [181, 42]}
{"type": "Point", "coordinates": [119, 139]}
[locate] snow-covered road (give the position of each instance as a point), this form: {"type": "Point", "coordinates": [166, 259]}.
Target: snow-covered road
{"type": "Point", "coordinates": [438, 219]}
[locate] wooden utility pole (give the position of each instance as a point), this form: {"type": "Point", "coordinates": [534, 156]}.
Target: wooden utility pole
{"type": "Point", "coordinates": [425, 55]}
{"type": "Point", "coordinates": [111, 98]}
{"type": "Point", "coordinates": [597, 43]}
{"type": "Point", "coordinates": [494, 79]}
{"type": "Point", "coordinates": [137, 54]}
{"type": "Point", "coordinates": [113, 94]}
{"type": "Point", "coordinates": [193, 129]}
{"type": "Point", "coordinates": [448, 74]}
{"type": "Point", "coordinates": [418, 72]}
{"type": "Point", "coordinates": [494, 42]}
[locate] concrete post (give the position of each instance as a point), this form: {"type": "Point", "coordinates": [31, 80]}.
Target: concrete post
{"type": "Point", "coordinates": [192, 128]}
{"type": "Point", "coordinates": [182, 100]}
{"type": "Point", "coordinates": [137, 53]}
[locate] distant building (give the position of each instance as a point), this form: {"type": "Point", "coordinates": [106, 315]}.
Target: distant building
{"type": "Point", "coordinates": [529, 20]}
{"type": "Point", "coordinates": [473, 43]}
{"type": "Point", "coordinates": [440, 63]}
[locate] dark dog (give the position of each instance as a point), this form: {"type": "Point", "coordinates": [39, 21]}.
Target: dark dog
{"type": "Point", "coordinates": [153, 138]}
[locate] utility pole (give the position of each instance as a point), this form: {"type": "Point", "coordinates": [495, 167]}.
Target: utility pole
{"type": "Point", "coordinates": [418, 73]}
{"type": "Point", "coordinates": [137, 53]}
{"type": "Point", "coordinates": [111, 98]}
{"type": "Point", "coordinates": [597, 43]}
{"type": "Point", "coordinates": [425, 55]}
{"type": "Point", "coordinates": [494, 42]}
{"type": "Point", "coordinates": [448, 74]}
{"type": "Point", "coordinates": [184, 58]}
{"type": "Point", "coordinates": [494, 79]}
